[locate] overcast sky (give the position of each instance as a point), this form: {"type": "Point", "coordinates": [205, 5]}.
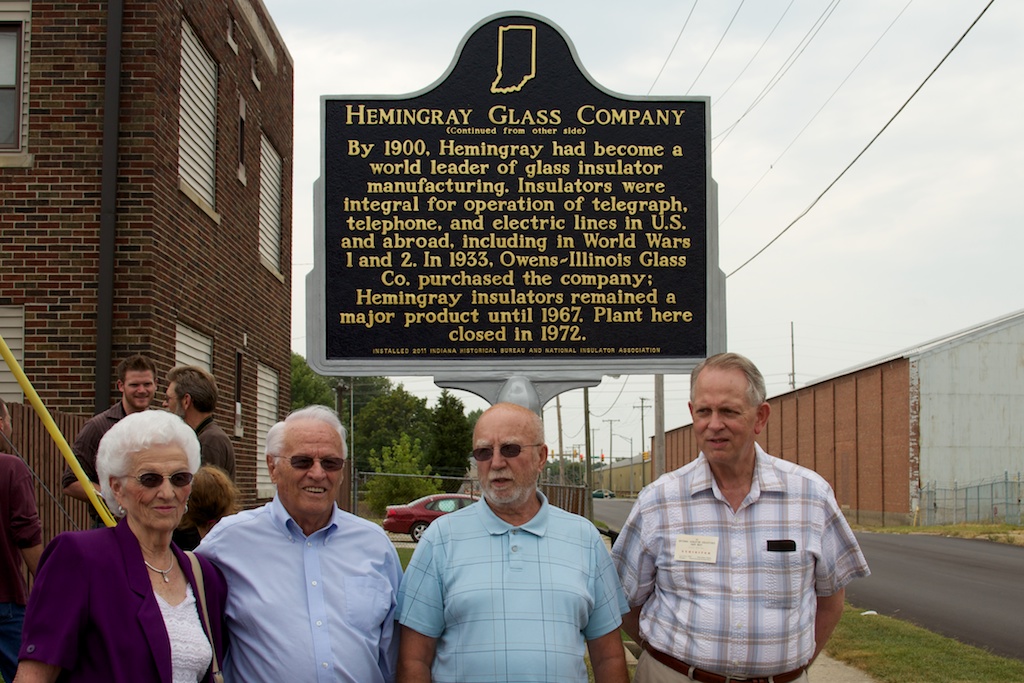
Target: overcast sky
{"type": "Point", "coordinates": [922, 237]}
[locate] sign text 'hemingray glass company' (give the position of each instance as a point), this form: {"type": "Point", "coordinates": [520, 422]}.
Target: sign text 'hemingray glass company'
{"type": "Point", "coordinates": [515, 210]}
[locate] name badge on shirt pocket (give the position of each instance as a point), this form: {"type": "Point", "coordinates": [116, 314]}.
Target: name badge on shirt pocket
{"type": "Point", "coordinates": [696, 549]}
{"type": "Point", "coordinates": [782, 546]}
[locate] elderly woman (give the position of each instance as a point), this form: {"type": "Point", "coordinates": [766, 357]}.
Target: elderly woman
{"type": "Point", "coordinates": [120, 604]}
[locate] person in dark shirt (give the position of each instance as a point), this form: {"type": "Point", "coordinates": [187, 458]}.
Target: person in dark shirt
{"type": "Point", "coordinates": [21, 539]}
{"type": "Point", "coordinates": [136, 380]}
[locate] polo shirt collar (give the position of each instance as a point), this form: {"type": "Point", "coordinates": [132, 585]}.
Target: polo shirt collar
{"type": "Point", "coordinates": [496, 526]}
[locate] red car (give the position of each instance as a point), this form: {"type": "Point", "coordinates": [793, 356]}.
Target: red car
{"type": "Point", "coordinates": [413, 518]}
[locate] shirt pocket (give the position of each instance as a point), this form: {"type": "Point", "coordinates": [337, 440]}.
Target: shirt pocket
{"type": "Point", "coordinates": [786, 576]}
{"type": "Point", "coordinates": [367, 601]}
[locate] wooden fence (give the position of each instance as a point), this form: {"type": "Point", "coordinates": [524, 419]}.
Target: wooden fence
{"type": "Point", "coordinates": [34, 444]}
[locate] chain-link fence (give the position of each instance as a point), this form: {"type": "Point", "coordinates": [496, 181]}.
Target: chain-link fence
{"type": "Point", "coordinates": [996, 501]}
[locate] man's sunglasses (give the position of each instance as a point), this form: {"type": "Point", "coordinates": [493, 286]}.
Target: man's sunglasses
{"type": "Point", "coordinates": [507, 450]}
{"type": "Point", "coordinates": [152, 480]}
{"type": "Point", "coordinates": [304, 462]}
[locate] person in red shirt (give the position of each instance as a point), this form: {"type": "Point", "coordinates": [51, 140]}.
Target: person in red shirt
{"type": "Point", "coordinates": [20, 540]}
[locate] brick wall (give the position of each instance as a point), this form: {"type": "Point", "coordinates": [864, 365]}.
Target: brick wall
{"type": "Point", "coordinates": [173, 262]}
{"type": "Point", "coordinates": [853, 430]}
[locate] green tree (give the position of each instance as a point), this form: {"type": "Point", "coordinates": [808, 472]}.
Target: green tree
{"type": "Point", "coordinates": [404, 457]}
{"type": "Point", "coordinates": [453, 437]}
{"type": "Point", "coordinates": [384, 419]}
{"type": "Point", "coordinates": [309, 388]}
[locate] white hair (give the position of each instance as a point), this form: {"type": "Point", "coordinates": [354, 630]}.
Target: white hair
{"type": "Point", "coordinates": [139, 432]}
{"type": "Point", "coordinates": [318, 413]}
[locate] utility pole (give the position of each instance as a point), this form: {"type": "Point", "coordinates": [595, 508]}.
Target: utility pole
{"type": "Point", "coordinates": [792, 357]}
{"type": "Point", "coordinates": [659, 426]}
{"type": "Point", "coordinates": [561, 452]}
{"type": "Point", "coordinates": [611, 434]}
{"type": "Point", "coordinates": [589, 502]}
{"type": "Point", "coordinates": [643, 442]}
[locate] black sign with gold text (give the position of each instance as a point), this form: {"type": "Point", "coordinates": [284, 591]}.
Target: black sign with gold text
{"type": "Point", "coordinates": [514, 211]}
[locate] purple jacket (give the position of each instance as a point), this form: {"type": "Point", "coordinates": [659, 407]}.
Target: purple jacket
{"type": "Point", "coordinates": [92, 610]}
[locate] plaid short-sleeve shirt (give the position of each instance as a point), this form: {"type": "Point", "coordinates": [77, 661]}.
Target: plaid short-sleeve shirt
{"type": "Point", "coordinates": [747, 610]}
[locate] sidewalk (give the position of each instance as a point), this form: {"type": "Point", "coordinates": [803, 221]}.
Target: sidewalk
{"type": "Point", "coordinates": [827, 669]}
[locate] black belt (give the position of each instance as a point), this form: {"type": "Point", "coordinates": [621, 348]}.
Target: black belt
{"type": "Point", "coordinates": [693, 673]}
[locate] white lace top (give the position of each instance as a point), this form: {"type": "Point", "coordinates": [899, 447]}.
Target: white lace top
{"type": "Point", "coordinates": [191, 653]}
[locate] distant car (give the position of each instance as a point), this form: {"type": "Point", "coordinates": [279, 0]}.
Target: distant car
{"type": "Point", "coordinates": [414, 518]}
{"type": "Point", "coordinates": [603, 493]}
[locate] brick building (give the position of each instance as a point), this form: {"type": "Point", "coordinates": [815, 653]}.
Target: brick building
{"type": "Point", "coordinates": [149, 212]}
{"type": "Point", "coordinates": [942, 414]}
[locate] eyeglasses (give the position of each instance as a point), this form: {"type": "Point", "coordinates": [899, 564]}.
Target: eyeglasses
{"type": "Point", "coordinates": [151, 480]}
{"type": "Point", "coordinates": [507, 450]}
{"type": "Point", "coordinates": [304, 462]}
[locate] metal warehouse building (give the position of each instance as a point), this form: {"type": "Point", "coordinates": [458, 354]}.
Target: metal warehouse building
{"type": "Point", "coordinates": [930, 434]}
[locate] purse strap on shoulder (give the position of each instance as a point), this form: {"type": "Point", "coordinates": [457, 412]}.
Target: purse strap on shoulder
{"type": "Point", "coordinates": [197, 571]}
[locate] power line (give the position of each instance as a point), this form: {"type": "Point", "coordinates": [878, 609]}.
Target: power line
{"type": "Point", "coordinates": [784, 69]}
{"type": "Point", "coordinates": [718, 45]}
{"type": "Point", "coordinates": [868, 146]}
{"type": "Point", "coordinates": [807, 125]}
{"type": "Point", "coordinates": [718, 100]}
{"type": "Point", "coordinates": [670, 52]}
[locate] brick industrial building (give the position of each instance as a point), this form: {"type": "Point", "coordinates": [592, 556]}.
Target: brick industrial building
{"type": "Point", "coordinates": [947, 410]}
{"type": "Point", "coordinates": [145, 203]}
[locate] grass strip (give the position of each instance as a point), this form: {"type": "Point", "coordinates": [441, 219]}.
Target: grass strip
{"type": "Point", "coordinates": [894, 651]}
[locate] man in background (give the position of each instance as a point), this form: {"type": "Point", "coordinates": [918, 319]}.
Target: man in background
{"type": "Point", "coordinates": [21, 538]}
{"type": "Point", "coordinates": [192, 396]}
{"type": "Point", "coordinates": [136, 380]}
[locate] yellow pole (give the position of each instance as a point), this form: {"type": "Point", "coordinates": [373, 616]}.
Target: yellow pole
{"type": "Point", "coordinates": [55, 433]}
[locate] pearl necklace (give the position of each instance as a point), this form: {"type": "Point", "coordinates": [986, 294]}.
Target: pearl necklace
{"type": "Point", "coordinates": [161, 572]}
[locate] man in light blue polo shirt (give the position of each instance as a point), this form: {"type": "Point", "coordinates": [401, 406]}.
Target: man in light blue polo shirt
{"type": "Point", "coordinates": [312, 589]}
{"type": "Point", "coordinates": [510, 588]}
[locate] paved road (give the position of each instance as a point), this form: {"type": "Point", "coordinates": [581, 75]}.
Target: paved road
{"type": "Point", "coordinates": [612, 511]}
{"type": "Point", "coordinates": [966, 589]}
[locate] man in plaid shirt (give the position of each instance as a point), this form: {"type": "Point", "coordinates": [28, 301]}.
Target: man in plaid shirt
{"type": "Point", "coordinates": [734, 565]}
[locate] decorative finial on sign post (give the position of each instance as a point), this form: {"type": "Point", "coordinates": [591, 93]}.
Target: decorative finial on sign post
{"type": "Point", "coordinates": [520, 390]}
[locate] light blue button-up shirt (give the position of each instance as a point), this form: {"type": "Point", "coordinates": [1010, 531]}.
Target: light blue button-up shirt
{"type": "Point", "coordinates": [317, 608]}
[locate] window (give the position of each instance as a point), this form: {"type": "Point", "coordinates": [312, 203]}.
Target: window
{"type": "Point", "coordinates": [239, 431]}
{"type": "Point", "coordinates": [270, 205]}
{"type": "Point", "coordinates": [193, 348]}
{"type": "Point", "coordinates": [266, 416]}
{"type": "Point", "coordinates": [10, 41]}
{"type": "Point", "coordinates": [197, 132]}
{"type": "Point", "coordinates": [232, 31]}
{"type": "Point", "coordinates": [241, 140]}
{"type": "Point", "coordinates": [14, 18]}
{"type": "Point", "coordinates": [12, 328]}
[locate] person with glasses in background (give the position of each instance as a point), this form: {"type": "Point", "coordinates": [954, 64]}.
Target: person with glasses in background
{"type": "Point", "coordinates": [123, 603]}
{"type": "Point", "coordinates": [313, 589]}
{"type": "Point", "coordinates": [511, 588]}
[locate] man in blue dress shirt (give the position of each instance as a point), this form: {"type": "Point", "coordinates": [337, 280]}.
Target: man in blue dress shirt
{"type": "Point", "coordinates": [311, 589]}
{"type": "Point", "coordinates": [511, 588]}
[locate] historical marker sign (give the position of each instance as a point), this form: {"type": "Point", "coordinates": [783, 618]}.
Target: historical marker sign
{"type": "Point", "coordinates": [514, 214]}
